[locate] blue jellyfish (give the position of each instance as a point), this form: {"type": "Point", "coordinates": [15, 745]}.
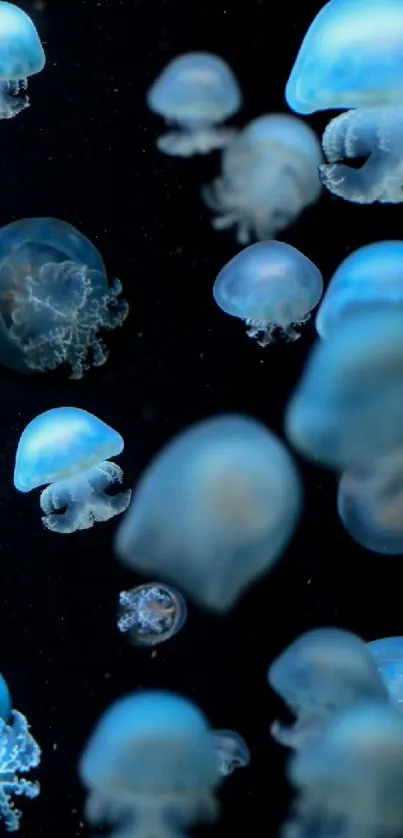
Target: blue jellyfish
{"type": "Point", "coordinates": [232, 751]}
{"type": "Point", "coordinates": [151, 613]}
{"type": "Point", "coordinates": [150, 767]}
{"type": "Point", "coordinates": [321, 672]}
{"type": "Point", "coordinates": [54, 298]}
{"type": "Point", "coordinates": [69, 448]}
{"type": "Point", "coordinates": [272, 287]}
{"type": "Point", "coordinates": [214, 510]}
{"type": "Point", "coordinates": [388, 655]}
{"type": "Point", "coordinates": [269, 175]}
{"type": "Point", "coordinates": [348, 407]}
{"type": "Point", "coordinates": [18, 754]}
{"type": "Point", "coordinates": [21, 56]}
{"type": "Point", "coordinates": [196, 91]}
{"type": "Point", "coordinates": [352, 58]}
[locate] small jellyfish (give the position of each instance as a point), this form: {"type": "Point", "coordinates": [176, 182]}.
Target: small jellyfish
{"type": "Point", "coordinates": [232, 751]}
{"type": "Point", "coordinates": [321, 672]}
{"type": "Point", "coordinates": [196, 91]}
{"type": "Point", "coordinates": [70, 448]}
{"type": "Point", "coordinates": [269, 175]}
{"type": "Point", "coordinates": [388, 655]}
{"type": "Point", "coordinates": [352, 58]}
{"type": "Point", "coordinates": [21, 56]}
{"type": "Point", "coordinates": [18, 754]}
{"type": "Point", "coordinates": [151, 613]}
{"type": "Point", "coordinates": [54, 298]}
{"type": "Point", "coordinates": [150, 767]}
{"type": "Point", "coordinates": [272, 286]}
{"type": "Point", "coordinates": [213, 511]}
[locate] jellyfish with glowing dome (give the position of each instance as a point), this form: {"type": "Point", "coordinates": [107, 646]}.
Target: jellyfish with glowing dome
{"type": "Point", "coordinates": [69, 449]}
{"type": "Point", "coordinates": [21, 56]}
{"type": "Point", "coordinates": [388, 656]}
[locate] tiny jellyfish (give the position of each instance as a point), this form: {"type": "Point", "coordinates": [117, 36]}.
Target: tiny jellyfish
{"type": "Point", "coordinates": [54, 298]}
{"type": "Point", "coordinates": [214, 510]}
{"type": "Point", "coordinates": [272, 286]}
{"type": "Point", "coordinates": [321, 672]}
{"type": "Point", "coordinates": [232, 751]}
{"type": "Point", "coordinates": [269, 175]}
{"type": "Point", "coordinates": [151, 613]}
{"type": "Point", "coordinates": [69, 449]}
{"type": "Point", "coordinates": [196, 91]}
{"type": "Point", "coordinates": [21, 56]}
{"type": "Point", "coordinates": [18, 754]}
{"type": "Point", "coordinates": [388, 655]}
{"type": "Point", "coordinates": [348, 407]}
{"type": "Point", "coordinates": [352, 59]}
{"type": "Point", "coordinates": [150, 767]}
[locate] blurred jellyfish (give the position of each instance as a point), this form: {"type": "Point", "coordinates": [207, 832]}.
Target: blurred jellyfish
{"type": "Point", "coordinates": [151, 613]}
{"type": "Point", "coordinates": [196, 91]}
{"type": "Point", "coordinates": [388, 655]}
{"type": "Point", "coordinates": [69, 448]}
{"type": "Point", "coordinates": [269, 175]}
{"type": "Point", "coordinates": [348, 407]}
{"type": "Point", "coordinates": [321, 672]}
{"type": "Point", "coordinates": [21, 56]}
{"type": "Point", "coordinates": [352, 57]}
{"type": "Point", "coordinates": [18, 754]}
{"type": "Point", "coordinates": [150, 767]}
{"type": "Point", "coordinates": [232, 751]}
{"type": "Point", "coordinates": [272, 287]}
{"type": "Point", "coordinates": [214, 510]}
{"type": "Point", "coordinates": [54, 298]}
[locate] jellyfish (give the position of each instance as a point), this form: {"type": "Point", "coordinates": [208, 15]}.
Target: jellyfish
{"type": "Point", "coordinates": [21, 56]}
{"type": "Point", "coordinates": [150, 767]}
{"type": "Point", "coordinates": [388, 655]}
{"type": "Point", "coordinates": [272, 286]}
{"type": "Point", "coordinates": [321, 672]}
{"type": "Point", "coordinates": [213, 511]}
{"type": "Point", "coordinates": [69, 449]}
{"type": "Point", "coordinates": [269, 175]}
{"type": "Point", "coordinates": [54, 298]}
{"type": "Point", "coordinates": [196, 91]}
{"type": "Point", "coordinates": [352, 59]}
{"type": "Point", "coordinates": [18, 754]}
{"type": "Point", "coordinates": [151, 613]}
{"type": "Point", "coordinates": [232, 751]}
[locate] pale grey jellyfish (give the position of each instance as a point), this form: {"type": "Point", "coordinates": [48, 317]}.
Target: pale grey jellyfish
{"type": "Point", "coordinates": [21, 56]}
{"type": "Point", "coordinates": [70, 449]}
{"type": "Point", "coordinates": [269, 175]}
{"type": "Point", "coordinates": [232, 751]}
{"type": "Point", "coordinates": [352, 58]}
{"type": "Point", "coordinates": [388, 656]}
{"type": "Point", "coordinates": [150, 767]}
{"type": "Point", "coordinates": [214, 510]}
{"type": "Point", "coordinates": [272, 286]}
{"type": "Point", "coordinates": [151, 613]}
{"type": "Point", "coordinates": [196, 92]}
{"type": "Point", "coordinates": [321, 672]}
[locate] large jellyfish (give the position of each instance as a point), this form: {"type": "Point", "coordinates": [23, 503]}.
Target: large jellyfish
{"type": "Point", "coordinates": [150, 767]}
{"type": "Point", "coordinates": [18, 754]}
{"type": "Point", "coordinates": [269, 175]}
{"type": "Point", "coordinates": [21, 55]}
{"type": "Point", "coordinates": [196, 91]}
{"type": "Point", "coordinates": [54, 298]}
{"type": "Point", "coordinates": [321, 672]}
{"type": "Point", "coordinates": [272, 286]}
{"type": "Point", "coordinates": [151, 613]}
{"type": "Point", "coordinates": [70, 449]}
{"type": "Point", "coordinates": [352, 58]}
{"type": "Point", "coordinates": [214, 510]}
{"type": "Point", "coordinates": [388, 655]}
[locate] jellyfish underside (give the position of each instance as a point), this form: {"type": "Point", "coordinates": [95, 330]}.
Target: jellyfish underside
{"type": "Point", "coordinates": [13, 100]}
{"type": "Point", "coordinates": [194, 136]}
{"type": "Point", "coordinates": [18, 754]}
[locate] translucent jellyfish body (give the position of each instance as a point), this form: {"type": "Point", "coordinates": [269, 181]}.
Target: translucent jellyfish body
{"type": "Point", "coordinates": [388, 655]}
{"type": "Point", "coordinates": [352, 58]}
{"type": "Point", "coordinates": [321, 672]}
{"type": "Point", "coordinates": [54, 298]}
{"type": "Point", "coordinates": [69, 449]}
{"type": "Point", "coordinates": [213, 511]}
{"type": "Point", "coordinates": [348, 407]}
{"type": "Point", "coordinates": [150, 767]}
{"type": "Point", "coordinates": [232, 751]}
{"type": "Point", "coordinates": [272, 287]}
{"type": "Point", "coordinates": [196, 91]}
{"type": "Point", "coordinates": [269, 175]}
{"type": "Point", "coordinates": [21, 56]}
{"type": "Point", "coordinates": [151, 613]}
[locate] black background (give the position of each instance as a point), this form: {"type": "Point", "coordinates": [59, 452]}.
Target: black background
{"type": "Point", "coordinates": [85, 152]}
